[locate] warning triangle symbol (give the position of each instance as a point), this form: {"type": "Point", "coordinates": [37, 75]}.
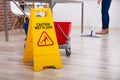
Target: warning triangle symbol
{"type": "Point", "coordinates": [45, 40]}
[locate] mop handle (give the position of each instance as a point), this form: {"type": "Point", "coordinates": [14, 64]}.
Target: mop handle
{"type": "Point", "coordinates": [96, 13]}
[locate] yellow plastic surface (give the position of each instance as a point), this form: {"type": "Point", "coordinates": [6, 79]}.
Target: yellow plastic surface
{"type": "Point", "coordinates": [41, 44]}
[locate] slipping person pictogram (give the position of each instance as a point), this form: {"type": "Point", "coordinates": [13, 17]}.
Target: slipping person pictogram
{"type": "Point", "coordinates": [45, 40]}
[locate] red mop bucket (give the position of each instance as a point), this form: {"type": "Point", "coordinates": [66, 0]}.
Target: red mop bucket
{"type": "Point", "coordinates": [66, 29]}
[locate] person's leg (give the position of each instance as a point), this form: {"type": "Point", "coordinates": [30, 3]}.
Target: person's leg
{"type": "Point", "coordinates": [105, 16]}
{"type": "Point", "coordinates": [105, 13]}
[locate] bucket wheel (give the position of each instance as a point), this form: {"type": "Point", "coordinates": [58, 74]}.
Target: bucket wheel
{"type": "Point", "coordinates": [68, 51]}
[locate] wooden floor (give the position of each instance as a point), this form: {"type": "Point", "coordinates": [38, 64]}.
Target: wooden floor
{"type": "Point", "coordinates": [91, 58]}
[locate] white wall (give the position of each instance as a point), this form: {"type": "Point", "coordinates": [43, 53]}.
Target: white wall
{"type": "Point", "coordinates": [72, 12]}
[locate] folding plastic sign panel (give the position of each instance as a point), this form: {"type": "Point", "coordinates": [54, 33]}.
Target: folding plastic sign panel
{"type": "Point", "coordinates": [41, 44]}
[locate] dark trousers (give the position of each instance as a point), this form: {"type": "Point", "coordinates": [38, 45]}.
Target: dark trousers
{"type": "Point", "coordinates": [105, 13]}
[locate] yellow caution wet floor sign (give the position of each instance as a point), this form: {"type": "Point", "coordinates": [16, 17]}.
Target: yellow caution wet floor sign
{"type": "Point", "coordinates": [41, 44]}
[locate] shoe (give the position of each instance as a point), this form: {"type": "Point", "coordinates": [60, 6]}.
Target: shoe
{"type": "Point", "coordinates": [104, 31]}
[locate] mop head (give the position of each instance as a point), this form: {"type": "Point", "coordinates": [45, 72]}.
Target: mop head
{"type": "Point", "coordinates": [90, 35]}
